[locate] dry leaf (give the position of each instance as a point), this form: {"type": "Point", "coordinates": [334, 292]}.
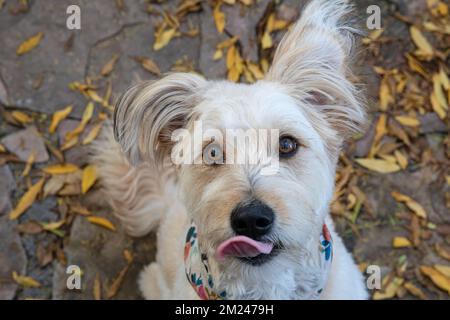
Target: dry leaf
{"type": "Point", "coordinates": [385, 95]}
{"type": "Point", "coordinates": [408, 121]}
{"type": "Point", "coordinates": [89, 178]}
{"type": "Point", "coordinates": [51, 226]}
{"type": "Point", "coordinates": [58, 116]}
{"type": "Point", "coordinates": [401, 242]}
{"type": "Point", "coordinates": [117, 282]}
{"type": "Point", "coordinates": [97, 288]}
{"type": "Point", "coordinates": [103, 222]}
{"type": "Point", "coordinates": [29, 44]}
{"type": "Point", "coordinates": [440, 280]}
{"type": "Point", "coordinates": [390, 290]}
{"type": "Point", "coordinates": [148, 64]}
{"type": "Point", "coordinates": [92, 134]}
{"type": "Point", "coordinates": [441, 251]}
{"type": "Point", "coordinates": [109, 66]}
{"type": "Point", "coordinates": [445, 270]}
{"type": "Point", "coordinates": [29, 164]}
{"type": "Point", "coordinates": [402, 160]}
{"type": "Point", "coordinates": [27, 200]}
{"type": "Point", "coordinates": [163, 38]}
{"type": "Point", "coordinates": [381, 166]}
{"type": "Point", "coordinates": [410, 203]}
{"type": "Point", "coordinates": [425, 48]}
{"type": "Point", "coordinates": [22, 117]}
{"type": "Point", "coordinates": [2, 148]}
{"type": "Point", "coordinates": [24, 281]}
{"type": "Point", "coordinates": [415, 290]}
{"type": "Point", "coordinates": [61, 168]}
{"type": "Point", "coordinates": [219, 18]}
{"type": "Point", "coordinates": [87, 115]}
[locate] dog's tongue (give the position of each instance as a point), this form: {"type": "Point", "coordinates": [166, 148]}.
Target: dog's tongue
{"type": "Point", "coordinates": [242, 246]}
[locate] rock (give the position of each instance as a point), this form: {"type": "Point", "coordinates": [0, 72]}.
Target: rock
{"type": "Point", "coordinates": [99, 251]}
{"type": "Point", "coordinates": [431, 123]}
{"type": "Point", "coordinates": [12, 254]}
{"type": "Point", "coordinates": [22, 143]}
{"type": "Point", "coordinates": [7, 185]}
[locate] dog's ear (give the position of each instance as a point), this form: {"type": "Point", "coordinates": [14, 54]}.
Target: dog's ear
{"type": "Point", "coordinates": [312, 60]}
{"type": "Point", "coordinates": [146, 115]}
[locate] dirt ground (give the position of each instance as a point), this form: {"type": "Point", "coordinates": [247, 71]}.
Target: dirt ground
{"type": "Point", "coordinates": [393, 185]}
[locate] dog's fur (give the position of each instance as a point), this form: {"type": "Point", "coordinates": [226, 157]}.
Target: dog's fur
{"type": "Point", "coordinates": [308, 93]}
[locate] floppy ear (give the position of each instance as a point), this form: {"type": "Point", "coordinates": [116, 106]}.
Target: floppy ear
{"type": "Point", "coordinates": [312, 61]}
{"type": "Point", "coordinates": [146, 115]}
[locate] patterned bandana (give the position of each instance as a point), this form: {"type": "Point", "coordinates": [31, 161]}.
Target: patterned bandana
{"type": "Point", "coordinates": [199, 276]}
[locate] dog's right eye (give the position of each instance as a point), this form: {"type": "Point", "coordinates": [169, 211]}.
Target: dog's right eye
{"type": "Point", "coordinates": [288, 146]}
{"type": "Point", "coordinates": [213, 154]}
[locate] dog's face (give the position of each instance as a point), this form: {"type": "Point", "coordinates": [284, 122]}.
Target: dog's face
{"type": "Point", "coordinates": [307, 97]}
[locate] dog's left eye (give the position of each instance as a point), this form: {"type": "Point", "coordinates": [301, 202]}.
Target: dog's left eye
{"type": "Point", "coordinates": [287, 146]}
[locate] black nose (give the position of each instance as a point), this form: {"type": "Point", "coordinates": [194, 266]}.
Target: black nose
{"type": "Point", "coordinates": [253, 219]}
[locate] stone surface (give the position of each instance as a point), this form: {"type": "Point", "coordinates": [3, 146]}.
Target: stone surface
{"type": "Point", "coordinates": [12, 254]}
{"type": "Point", "coordinates": [22, 143]}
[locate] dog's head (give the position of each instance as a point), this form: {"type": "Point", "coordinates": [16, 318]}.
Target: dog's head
{"type": "Point", "coordinates": [307, 97]}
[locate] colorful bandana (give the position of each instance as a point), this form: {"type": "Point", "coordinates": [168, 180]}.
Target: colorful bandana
{"type": "Point", "coordinates": [198, 271]}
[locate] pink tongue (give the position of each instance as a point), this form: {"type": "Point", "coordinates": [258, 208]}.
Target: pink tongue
{"type": "Point", "coordinates": [242, 246]}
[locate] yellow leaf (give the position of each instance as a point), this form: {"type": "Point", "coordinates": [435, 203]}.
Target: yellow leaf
{"type": "Point", "coordinates": [377, 165]}
{"type": "Point", "coordinates": [438, 92]}
{"type": "Point", "coordinates": [97, 288]}
{"type": "Point", "coordinates": [87, 115]}
{"type": "Point", "coordinates": [390, 290]}
{"type": "Point", "coordinates": [105, 223]}
{"type": "Point", "coordinates": [52, 225]}
{"type": "Point", "coordinates": [149, 65]}
{"type": "Point", "coordinates": [445, 270]}
{"type": "Point", "coordinates": [24, 281]}
{"type": "Point", "coordinates": [402, 160]}
{"type": "Point", "coordinates": [163, 39]}
{"type": "Point", "coordinates": [414, 290]}
{"type": "Point", "coordinates": [444, 79]}
{"type": "Point", "coordinates": [437, 107]}
{"type": "Point", "coordinates": [440, 280]}
{"type": "Point", "coordinates": [447, 178]}
{"type": "Point", "coordinates": [231, 56]}
{"type": "Point", "coordinates": [29, 164]}
{"type": "Point", "coordinates": [266, 41]}
{"type": "Point", "coordinates": [117, 282]}
{"type": "Point", "coordinates": [385, 95]}
{"type": "Point", "coordinates": [22, 117]}
{"type": "Point", "coordinates": [58, 116]}
{"type": "Point", "coordinates": [2, 148]}
{"type": "Point", "coordinates": [89, 178]}
{"type": "Point", "coordinates": [60, 168]}
{"type": "Point", "coordinates": [421, 42]}
{"type": "Point", "coordinates": [401, 242]}
{"type": "Point", "coordinates": [27, 200]}
{"type": "Point", "coordinates": [29, 44]}
{"type": "Point", "coordinates": [92, 134]}
{"type": "Point", "coordinates": [219, 18]}
{"type": "Point", "coordinates": [109, 66]}
{"type": "Point", "coordinates": [255, 70]}
{"type": "Point", "coordinates": [218, 54]}
{"type": "Point", "coordinates": [410, 203]}
{"type": "Point", "coordinates": [69, 143]}
{"type": "Point", "coordinates": [408, 121]}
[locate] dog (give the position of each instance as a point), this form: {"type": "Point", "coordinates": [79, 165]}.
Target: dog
{"type": "Point", "coordinates": [228, 231]}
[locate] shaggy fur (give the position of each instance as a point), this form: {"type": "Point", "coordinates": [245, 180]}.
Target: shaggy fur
{"type": "Point", "coordinates": [307, 94]}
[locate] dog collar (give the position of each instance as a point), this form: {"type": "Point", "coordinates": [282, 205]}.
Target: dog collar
{"type": "Point", "coordinates": [199, 275]}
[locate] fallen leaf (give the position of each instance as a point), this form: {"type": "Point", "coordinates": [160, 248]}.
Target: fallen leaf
{"type": "Point", "coordinates": [425, 48]}
{"type": "Point", "coordinates": [51, 226]}
{"type": "Point", "coordinates": [440, 280]}
{"type": "Point", "coordinates": [27, 200]}
{"type": "Point", "coordinates": [415, 291]}
{"type": "Point", "coordinates": [445, 270]}
{"type": "Point", "coordinates": [381, 166]}
{"type": "Point", "coordinates": [219, 18]}
{"type": "Point", "coordinates": [408, 121]}
{"type": "Point", "coordinates": [29, 44]}
{"type": "Point", "coordinates": [24, 281]}
{"type": "Point", "coordinates": [385, 95]}
{"type": "Point", "coordinates": [117, 282]}
{"type": "Point", "coordinates": [87, 115]}
{"type": "Point", "coordinates": [89, 178]}
{"type": "Point", "coordinates": [441, 251]}
{"type": "Point", "coordinates": [61, 168]}
{"type": "Point", "coordinates": [410, 203]}
{"type": "Point", "coordinates": [402, 160]}
{"type": "Point", "coordinates": [103, 222]}
{"type": "Point", "coordinates": [148, 64]}
{"type": "Point", "coordinates": [109, 66]}
{"type": "Point", "coordinates": [30, 161]}
{"type": "Point", "coordinates": [92, 134]}
{"type": "Point", "coordinates": [22, 117]}
{"type": "Point", "coordinates": [163, 39]}
{"type": "Point", "coordinates": [58, 116]}
{"type": "Point", "coordinates": [29, 227]}
{"type": "Point", "coordinates": [97, 288]}
{"type": "Point", "coordinates": [2, 148]}
{"type": "Point", "coordinates": [390, 289]}
{"type": "Point", "coordinates": [401, 242]}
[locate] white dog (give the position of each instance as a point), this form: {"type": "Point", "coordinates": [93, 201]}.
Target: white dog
{"type": "Point", "coordinates": [226, 230]}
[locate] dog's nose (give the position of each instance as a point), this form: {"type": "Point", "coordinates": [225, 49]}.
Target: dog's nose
{"type": "Point", "coordinates": [254, 219]}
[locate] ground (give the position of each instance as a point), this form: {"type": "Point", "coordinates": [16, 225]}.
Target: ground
{"type": "Point", "coordinates": [393, 195]}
